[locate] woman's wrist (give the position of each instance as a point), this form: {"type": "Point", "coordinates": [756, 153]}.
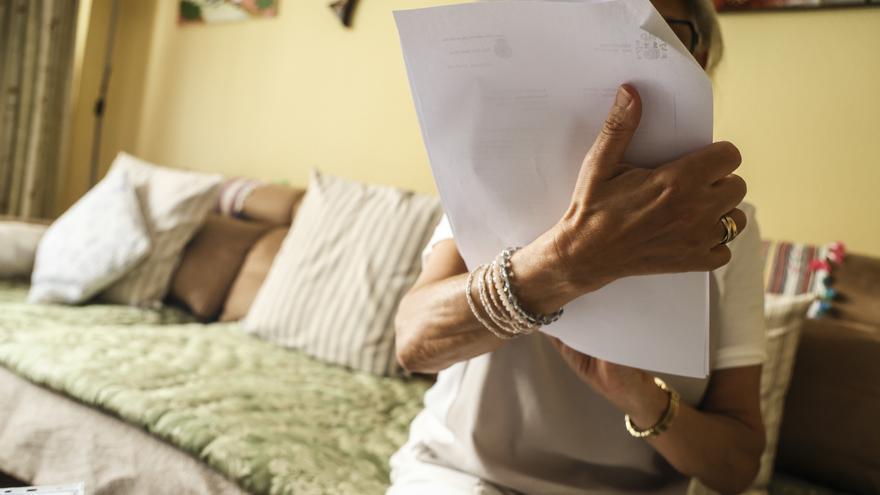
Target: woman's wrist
{"type": "Point", "coordinates": [542, 283]}
{"type": "Point", "coordinates": [645, 404]}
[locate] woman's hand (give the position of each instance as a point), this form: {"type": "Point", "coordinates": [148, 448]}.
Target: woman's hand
{"type": "Point", "coordinates": [721, 443]}
{"type": "Point", "coordinates": [665, 220]}
{"type": "Point", "coordinates": [626, 221]}
{"type": "Point", "coordinates": [631, 390]}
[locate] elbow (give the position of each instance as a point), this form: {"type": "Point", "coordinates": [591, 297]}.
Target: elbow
{"type": "Point", "coordinates": [409, 357]}
{"type": "Point", "coordinates": [405, 357]}
{"type": "Point", "coordinates": [744, 465]}
{"type": "Point", "coordinates": [405, 347]}
{"type": "Point", "coordinates": [744, 473]}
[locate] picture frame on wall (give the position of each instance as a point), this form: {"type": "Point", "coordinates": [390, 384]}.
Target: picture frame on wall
{"type": "Point", "coordinates": [223, 11]}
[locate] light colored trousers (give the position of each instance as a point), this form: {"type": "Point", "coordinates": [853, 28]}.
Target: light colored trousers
{"type": "Point", "coordinates": [410, 476]}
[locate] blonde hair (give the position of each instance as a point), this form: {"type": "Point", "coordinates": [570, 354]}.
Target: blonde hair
{"type": "Point", "coordinates": [710, 31]}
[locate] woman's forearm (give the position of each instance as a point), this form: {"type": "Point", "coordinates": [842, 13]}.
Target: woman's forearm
{"type": "Point", "coordinates": [436, 328]}
{"type": "Point", "coordinates": [719, 449]}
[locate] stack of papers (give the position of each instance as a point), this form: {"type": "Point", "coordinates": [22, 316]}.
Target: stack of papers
{"type": "Point", "coordinates": [510, 95]}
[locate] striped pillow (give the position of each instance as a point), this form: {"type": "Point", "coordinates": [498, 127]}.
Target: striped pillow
{"type": "Point", "coordinates": [787, 268]}
{"type": "Point", "coordinates": [783, 316]}
{"type": "Point", "coordinates": [334, 287]}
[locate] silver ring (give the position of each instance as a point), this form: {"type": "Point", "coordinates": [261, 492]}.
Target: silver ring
{"type": "Point", "coordinates": [730, 229]}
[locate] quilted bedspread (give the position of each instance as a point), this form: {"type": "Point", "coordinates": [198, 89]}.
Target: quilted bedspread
{"type": "Point", "coordinates": [273, 420]}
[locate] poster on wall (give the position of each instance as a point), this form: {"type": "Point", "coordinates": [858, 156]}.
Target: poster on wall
{"type": "Point", "coordinates": [763, 5]}
{"type": "Point", "coordinates": [219, 11]}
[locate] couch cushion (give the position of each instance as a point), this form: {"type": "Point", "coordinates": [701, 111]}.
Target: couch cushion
{"type": "Point", "coordinates": [18, 247]}
{"type": "Point", "coordinates": [33, 221]}
{"type": "Point", "coordinates": [95, 243]}
{"type": "Point", "coordinates": [787, 267]}
{"type": "Point", "coordinates": [252, 274]}
{"type": "Point", "coordinates": [857, 284]}
{"type": "Point", "coordinates": [830, 431]}
{"type": "Point", "coordinates": [272, 203]}
{"type": "Point", "coordinates": [333, 290]}
{"type": "Point", "coordinates": [174, 204]}
{"type": "Point", "coordinates": [211, 263]}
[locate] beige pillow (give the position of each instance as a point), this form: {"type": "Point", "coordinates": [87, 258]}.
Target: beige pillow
{"type": "Point", "coordinates": [784, 316]}
{"type": "Point", "coordinates": [252, 274]}
{"type": "Point", "coordinates": [333, 290]}
{"type": "Point", "coordinates": [211, 262]}
{"type": "Point", "coordinates": [272, 203]}
{"type": "Point", "coordinates": [174, 204]}
{"type": "Point", "coordinates": [18, 247]}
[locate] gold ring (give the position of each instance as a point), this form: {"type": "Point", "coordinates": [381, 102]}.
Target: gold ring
{"type": "Point", "coordinates": [730, 229]}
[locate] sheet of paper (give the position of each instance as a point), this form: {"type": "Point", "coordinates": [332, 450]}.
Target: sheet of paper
{"type": "Point", "coordinates": [510, 95]}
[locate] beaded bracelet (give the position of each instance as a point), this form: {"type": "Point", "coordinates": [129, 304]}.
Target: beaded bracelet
{"type": "Point", "coordinates": [506, 318]}
{"type": "Point", "coordinates": [477, 315]}
{"type": "Point", "coordinates": [501, 324]}
{"type": "Point", "coordinates": [506, 275]}
{"type": "Point", "coordinates": [495, 304]}
{"type": "Point", "coordinates": [506, 304]}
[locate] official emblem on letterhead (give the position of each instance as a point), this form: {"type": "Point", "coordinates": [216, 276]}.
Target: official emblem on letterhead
{"type": "Point", "coordinates": [502, 48]}
{"type": "Point", "coordinates": [650, 47]}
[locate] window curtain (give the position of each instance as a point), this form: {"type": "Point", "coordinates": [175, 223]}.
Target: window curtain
{"type": "Point", "coordinates": [36, 52]}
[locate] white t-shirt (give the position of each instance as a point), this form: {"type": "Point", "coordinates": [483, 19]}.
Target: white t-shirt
{"type": "Point", "coordinates": [520, 418]}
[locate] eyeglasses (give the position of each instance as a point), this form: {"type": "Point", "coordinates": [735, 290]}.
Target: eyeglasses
{"type": "Point", "coordinates": [686, 31]}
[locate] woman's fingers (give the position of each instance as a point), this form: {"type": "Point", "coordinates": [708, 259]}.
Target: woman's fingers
{"type": "Point", "coordinates": [730, 189]}
{"type": "Point", "coordinates": [709, 163]}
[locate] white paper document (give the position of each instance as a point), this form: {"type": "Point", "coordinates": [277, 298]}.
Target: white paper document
{"type": "Point", "coordinates": [510, 96]}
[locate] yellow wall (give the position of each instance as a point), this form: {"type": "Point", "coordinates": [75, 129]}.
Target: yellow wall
{"type": "Point", "coordinates": [273, 98]}
{"type": "Point", "coordinates": [799, 93]}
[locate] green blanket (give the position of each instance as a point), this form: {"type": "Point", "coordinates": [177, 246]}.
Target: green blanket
{"type": "Point", "coordinates": [273, 420]}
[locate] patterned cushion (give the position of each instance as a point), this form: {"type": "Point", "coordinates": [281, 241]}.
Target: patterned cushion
{"type": "Point", "coordinates": [174, 204]}
{"type": "Point", "coordinates": [787, 268]}
{"type": "Point", "coordinates": [92, 245]}
{"type": "Point", "coordinates": [333, 290]}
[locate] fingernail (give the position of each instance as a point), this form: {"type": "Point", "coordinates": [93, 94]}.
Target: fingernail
{"type": "Point", "coordinates": [623, 98]}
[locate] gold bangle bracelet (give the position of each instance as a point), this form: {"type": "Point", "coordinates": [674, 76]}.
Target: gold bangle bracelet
{"type": "Point", "coordinates": [665, 421]}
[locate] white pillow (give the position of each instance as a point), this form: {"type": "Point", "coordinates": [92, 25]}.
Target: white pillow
{"type": "Point", "coordinates": [783, 318]}
{"type": "Point", "coordinates": [174, 203]}
{"type": "Point", "coordinates": [18, 246]}
{"type": "Point", "coordinates": [97, 241]}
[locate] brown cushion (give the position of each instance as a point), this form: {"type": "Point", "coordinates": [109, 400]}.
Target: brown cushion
{"type": "Point", "coordinates": [252, 274]}
{"type": "Point", "coordinates": [211, 262]}
{"type": "Point", "coordinates": [272, 203]}
{"type": "Point", "coordinates": [857, 283]}
{"type": "Point", "coordinates": [830, 429]}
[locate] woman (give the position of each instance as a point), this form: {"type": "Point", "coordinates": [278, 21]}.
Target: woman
{"type": "Point", "coordinates": [517, 411]}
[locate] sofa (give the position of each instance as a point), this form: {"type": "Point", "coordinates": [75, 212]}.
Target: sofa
{"type": "Point", "coordinates": [177, 399]}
